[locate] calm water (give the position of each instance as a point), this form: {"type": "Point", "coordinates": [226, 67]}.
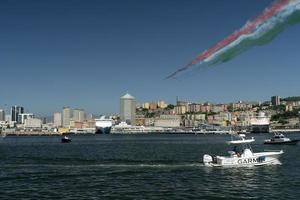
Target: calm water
{"type": "Point", "coordinates": [139, 167]}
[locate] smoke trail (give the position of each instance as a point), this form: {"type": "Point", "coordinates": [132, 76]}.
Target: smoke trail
{"type": "Point", "coordinates": [259, 31]}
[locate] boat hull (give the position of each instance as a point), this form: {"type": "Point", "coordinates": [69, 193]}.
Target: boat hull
{"type": "Point", "coordinates": [258, 159]}
{"type": "Point", "coordinates": [64, 140]}
{"type": "Point", "coordinates": [292, 142]}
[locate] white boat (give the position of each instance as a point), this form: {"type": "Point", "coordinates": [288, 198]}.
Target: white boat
{"type": "Point", "coordinates": [279, 138]}
{"type": "Point", "coordinates": [242, 155]}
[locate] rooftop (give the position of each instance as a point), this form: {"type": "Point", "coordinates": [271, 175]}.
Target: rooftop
{"type": "Point", "coordinates": [127, 96]}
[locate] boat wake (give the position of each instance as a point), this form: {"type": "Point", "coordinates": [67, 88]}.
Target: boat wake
{"type": "Point", "coordinates": [110, 165]}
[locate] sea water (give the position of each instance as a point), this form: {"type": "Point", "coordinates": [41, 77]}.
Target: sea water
{"type": "Point", "coordinates": [140, 167]}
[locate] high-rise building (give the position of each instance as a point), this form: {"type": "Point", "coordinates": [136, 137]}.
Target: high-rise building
{"type": "Point", "coordinates": [15, 111]}
{"type": "Point", "coordinates": [2, 115]}
{"type": "Point", "coordinates": [8, 118]}
{"type": "Point", "coordinates": [24, 116]}
{"type": "Point", "coordinates": [57, 119]}
{"type": "Point", "coordinates": [78, 115]}
{"type": "Point", "coordinates": [128, 109]}
{"type": "Point", "coordinates": [275, 100]}
{"type": "Point", "coordinates": [66, 117]}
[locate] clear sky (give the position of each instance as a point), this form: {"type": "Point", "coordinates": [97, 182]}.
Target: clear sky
{"type": "Point", "coordinates": [87, 54]}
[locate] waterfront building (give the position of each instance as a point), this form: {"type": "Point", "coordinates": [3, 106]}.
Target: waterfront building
{"type": "Point", "coordinates": [2, 115]}
{"type": "Point", "coordinates": [195, 117]}
{"type": "Point", "coordinates": [76, 124]}
{"type": "Point", "coordinates": [89, 123]}
{"type": "Point", "coordinates": [66, 117]}
{"type": "Point", "coordinates": [57, 119]}
{"type": "Point", "coordinates": [78, 115]}
{"type": "Point", "coordinates": [168, 121]}
{"type": "Point", "coordinates": [140, 120]}
{"type": "Point", "coordinates": [24, 116]}
{"type": "Point", "coordinates": [127, 109]}
{"type": "Point", "coordinates": [275, 100]}
{"type": "Point", "coordinates": [191, 123]}
{"type": "Point", "coordinates": [149, 121]}
{"type": "Point", "coordinates": [244, 118]}
{"type": "Point", "coordinates": [31, 123]}
{"type": "Point", "coordinates": [15, 111]}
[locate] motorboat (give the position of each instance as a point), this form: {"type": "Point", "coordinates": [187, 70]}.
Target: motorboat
{"type": "Point", "coordinates": [279, 138]}
{"type": "Point", "coordinates": [242, 155]}
{"type": "Point", "coordinates": [66, 139]}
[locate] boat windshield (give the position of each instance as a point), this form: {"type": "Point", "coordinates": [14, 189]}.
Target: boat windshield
{"type": "Point", "coordinates": [241, 144]}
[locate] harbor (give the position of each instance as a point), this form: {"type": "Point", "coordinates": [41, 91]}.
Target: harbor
{"type": "Point", "coordinates": [145, 166]}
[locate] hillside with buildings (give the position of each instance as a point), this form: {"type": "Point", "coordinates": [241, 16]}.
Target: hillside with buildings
{"type": "Point", "coordinates": [183, 116]}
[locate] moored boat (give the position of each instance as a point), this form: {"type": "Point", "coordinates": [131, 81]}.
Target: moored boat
{"type": "Point", "coordinates": [242, 155]}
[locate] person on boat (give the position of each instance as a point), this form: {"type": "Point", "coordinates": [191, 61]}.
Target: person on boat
{"type": "Point", "coordinates": [235, 150]}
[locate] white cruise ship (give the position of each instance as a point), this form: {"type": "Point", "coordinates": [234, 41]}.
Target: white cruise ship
{"type": "Point", "coordinates": [103, 125]}
{"type": "Point", "coordinates": [125, 128]}
{"type": "Point", "coordinates": [260, 123]}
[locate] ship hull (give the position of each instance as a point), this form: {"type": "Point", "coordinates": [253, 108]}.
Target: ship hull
{"type": "Point", "coordinates": [103, 130]}
{"type": "Point", "coordinates": [292, 142]}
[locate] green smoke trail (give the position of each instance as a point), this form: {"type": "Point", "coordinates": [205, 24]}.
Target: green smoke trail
{"type": "Point", "coordinates": [263, 39]}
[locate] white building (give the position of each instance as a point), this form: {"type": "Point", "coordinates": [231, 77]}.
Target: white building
{"type": "Point", "coordinates": [32, 123]}
{"type": "Point", "coordinates": [78, 115]}
{"type": "Point", "coordinates": [8, 118]}
{"type": "Point", "coordinates": [171, 121]}
{"type": "Point", "coordinates": [2, 115]}
{"type": "Point", "coordinates": [57, 119]}
{"type": "Point", "coordinates": [66, 117]}
{"type": "Point", "coordinates": [23, 116]}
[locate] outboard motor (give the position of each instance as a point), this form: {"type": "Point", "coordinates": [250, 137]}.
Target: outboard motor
{"type": "Point", "coordinates": [207, 159]}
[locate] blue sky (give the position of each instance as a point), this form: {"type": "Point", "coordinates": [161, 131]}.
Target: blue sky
{"type": "Point", "coordinates": [87, 54]}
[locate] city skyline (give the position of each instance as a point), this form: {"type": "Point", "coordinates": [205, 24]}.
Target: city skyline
{"type": "Point", "coordinates": [87, 55]}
